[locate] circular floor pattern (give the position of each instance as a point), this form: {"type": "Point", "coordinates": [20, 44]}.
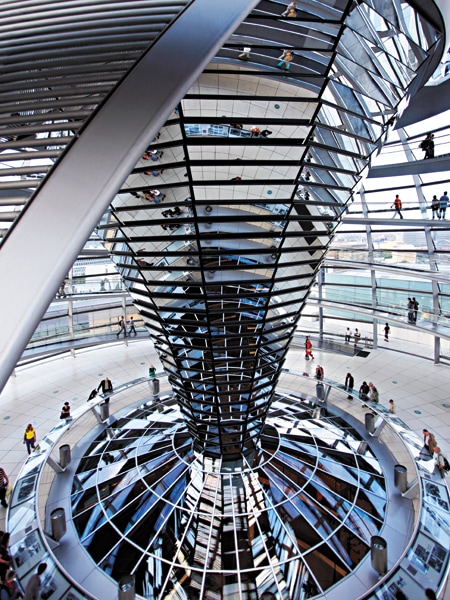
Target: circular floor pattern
{"type": "Point", "coordinates": [292, 523]}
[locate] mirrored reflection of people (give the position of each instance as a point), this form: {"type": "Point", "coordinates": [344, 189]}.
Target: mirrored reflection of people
{"type": "Point", "coordinates": [435, 206]}
{"type": "Point", "coordinates": [427, 146]}
{"type": "Point", "coordinates": [349, 383]}
{"type": "Point", "coordinates": [285, 60]}
{"type": "Point", "coordinates": [29, 438]}
{"type": "Point", "coordinates": [291, 10]}
{"type": "Point", "coordinates": [397, 205]}
{"type": "Point", "coordinates": [4, 483]}
{"type": "Point", "coordinates": [62, 289]}
{"type": "Point", "coordinates": [33, 589]}
{"type": "Point", "coordinates": [65, 411]}
{"type": "Point", "coordinates": [122, 327]}
{"type": "Point", "coordinates": [245, 54]}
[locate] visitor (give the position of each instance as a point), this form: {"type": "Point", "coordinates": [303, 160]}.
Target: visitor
{"type": "Point", "coordinates": [392, 407]}
{"type": "Point", "coordinates": [245, 54]}
{"type": "Point", "coordinates": [319, 372]}
{"type": "Point", "coordinates": [427, 146]}
{"type": "Point", "coordinates": [122, 327]}
{"type": "Point", "coordinates": [429, 441]}
{"type": "Point", "coordinates": [33, 589]}
{"type": "Point", "coordinates": [435, 206]}
{"type": "Point", "coordinates": [65, 411]}
{"type": "Point", "coordinates": [387, 329]}
{"type": "Point", "coordinates": [29, 438]}
{"type": "Point", "coordinates": [397, 205]}
{"type": "Point", "coordinates": [443, 203]}
{"type": "Point", "coordinates": [349, 383]}
{"type": "Point", "coordinates": [308, 349]}
{"type": "Point", "coordinates": [440, 461]}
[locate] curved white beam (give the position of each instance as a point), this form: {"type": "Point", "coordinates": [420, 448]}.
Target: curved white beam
{"type": "Point", "coordinates": [45, 241]}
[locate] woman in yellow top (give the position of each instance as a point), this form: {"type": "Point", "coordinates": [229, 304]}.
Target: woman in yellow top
{"type": "Point", "coordinates": [29, 437]}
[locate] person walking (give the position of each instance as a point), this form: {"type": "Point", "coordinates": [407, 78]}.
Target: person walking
{"type": "Point", "coordinates": [4, 483]}
{"type": "Point", "coordinates": [435, 205]}
{"type": "Point", "coordinates": [29, 438]}
{"type": "Point", "coordinates": [397, 205]}
{"type": "Point", "coordinates": [392, 407]}
{"type": "Point", "coordinates": [33, 589]}
{"type": "Point", "coordinates": [429, 441]}
{"type": "Point", "coordinates": [151, 371]}
{"type": "Point", "coordinates": [443, 203]}
{"type": "Point", "coordinates": [319, 372]}
{"type": "Point", "coordinates": [349, 383]}
{"type": "Point", "coordinates": [285, 59]}
{"type": "Point", "coordinates": [308, 349]}
{"type": "Point", "coordinates": [387, 329]}
{"type": "Point", "coordinates": [132, 327]}
{"type": "Point", "coordinates": [65, 411]}
{"type": "Point", "coordinates": [122, 327]}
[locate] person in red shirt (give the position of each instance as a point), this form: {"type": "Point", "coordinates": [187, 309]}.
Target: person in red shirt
{"type": "Point", "coordinates": [397, 205]}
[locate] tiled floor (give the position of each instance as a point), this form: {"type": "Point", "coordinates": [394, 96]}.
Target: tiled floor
{"type": "Point", "coordinates": [36, 393]}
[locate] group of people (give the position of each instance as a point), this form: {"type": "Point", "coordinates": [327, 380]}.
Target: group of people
{"type": "Point", "coordinates": [439, 206]}
{"type": "Point", "coordinates": [348, 336]}
{"type": "Point", "coordinates": [413, 309]}
{"type": "Point", "coordinates": [368, 392]}
{"type": "Point", "coordinates": [123, 327]}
